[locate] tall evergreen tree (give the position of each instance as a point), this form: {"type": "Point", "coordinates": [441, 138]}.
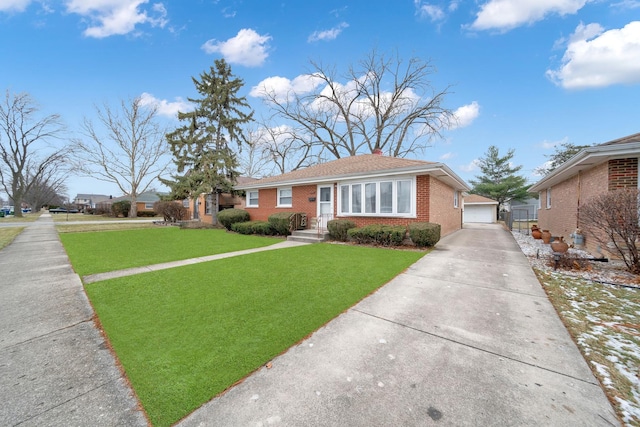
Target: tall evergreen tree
{"type": "Point", "coordinates": [205, 161]}
{"type": "Point", "coordinates": [499, 180]}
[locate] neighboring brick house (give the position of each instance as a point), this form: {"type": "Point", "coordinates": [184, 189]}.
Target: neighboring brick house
{"type": "Point", "coordinates": [367, 189]}
{"type": "Point", "coordinates": [144, 201]}
{"type": "Point", "coordinates": [200, 208]}
{"type": "Point", "coordinates": [591, 172]}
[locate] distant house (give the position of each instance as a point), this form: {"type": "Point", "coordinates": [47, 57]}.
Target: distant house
{"type": "Point", "coordinates": [200, 207]}
{"type": "Point", "coordinates": [591, 172]}
{"type": "Point", "coordinates": [367, 189]}
{"type": "Point", "coordinates": [144, 201]}
{"type": "Point", "coordinates": [479, 209]}
{"type": "Point", "coordinates": [89, 201]}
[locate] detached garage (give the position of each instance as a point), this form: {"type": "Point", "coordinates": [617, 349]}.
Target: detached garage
{"type": "Point", "coordinates": [479, 209]}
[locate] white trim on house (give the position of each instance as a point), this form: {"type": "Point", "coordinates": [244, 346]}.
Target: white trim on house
{"type": "Point", "coordinates": [588, 158]}
{"type": "Point", "coordinates": [376, 209]}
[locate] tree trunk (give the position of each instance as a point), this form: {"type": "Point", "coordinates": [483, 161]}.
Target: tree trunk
{"type": "Point", "coordinates": [214, 208]}
{"type": "Point", "coordinates": [133, 211]}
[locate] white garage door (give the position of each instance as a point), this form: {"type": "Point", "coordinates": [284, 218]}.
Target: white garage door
{"type": "Point", "coordinates": [478, 213]}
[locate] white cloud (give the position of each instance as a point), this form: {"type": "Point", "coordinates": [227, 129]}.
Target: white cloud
{"type": "Point", "coordinates": [247, 48]}
{"type": "Point", "coordinates": [505, 15]}
{"type": "Point", "coordinates": [596, 58]}
{"type": "Point", "coordinates": [471, 166]}
{"type": "Point", "coordinates": [14, 5]}
{"type": "Point", "coordinates": [465, 115]}
{"type": "Point", "coordinates": [447, 156]}
{"type": "Point", "coordinates": [330, 34]}
{"type": "Point", "coordinates": [434, 13]}
{"type": "Point", "coordinates": [165, 108]}
{"type": "Point", "coordinates": [281, 88]}
{"type": "Point", "coordinates": [116, 17]}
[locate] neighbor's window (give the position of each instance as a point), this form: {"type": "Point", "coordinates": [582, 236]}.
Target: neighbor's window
{"type": "Point", "coordinates": [252, 199]}
{"type": "Point", "coordinates": [285, 198]}
{"type": "Point", "coordinates": [548, 198]}
{"type": "Point", "coordinates": [540, 200]}
{"type": "Point", "coordinates": [207, 206]}
{"type": "Point", "coordinates": [185, 203]}
{"type": "Point", "coordinates": [455, 199]}
{"type": "Point", "coordinates": [379, 198]}
{"type": "Point", "coordinates": [148, 205]}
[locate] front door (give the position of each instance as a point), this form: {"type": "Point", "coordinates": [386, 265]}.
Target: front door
{"type": "Point", "coordinates": [325, 205]}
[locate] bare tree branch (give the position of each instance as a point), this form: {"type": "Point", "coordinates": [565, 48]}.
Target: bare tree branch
{"type": "Point", "coordinates": [127, 149]}
{"type": "Point", "coordinates": [27, 154]}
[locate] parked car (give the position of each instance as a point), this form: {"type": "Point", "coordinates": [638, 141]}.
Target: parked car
{"type": "Point", "coordinates": [62, 210]}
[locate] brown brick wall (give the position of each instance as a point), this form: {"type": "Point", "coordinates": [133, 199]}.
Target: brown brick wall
{"type": "Point", "coordinates": [442, 210]}
{"type": "Point", "coordinates": [267, 201]}
{"type": "Point", "coordinates": [623, 173]}
{"type": "Point", "coordinates": [448, 217]}
{"type": "Point", "coordinates": [562, 218]}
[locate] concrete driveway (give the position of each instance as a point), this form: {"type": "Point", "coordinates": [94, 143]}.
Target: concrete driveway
{"type": "Point", "coordinates": [466, 336]}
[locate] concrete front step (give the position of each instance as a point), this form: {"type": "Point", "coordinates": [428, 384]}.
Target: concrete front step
{"type": "Point", "coordinates": [308, 236]}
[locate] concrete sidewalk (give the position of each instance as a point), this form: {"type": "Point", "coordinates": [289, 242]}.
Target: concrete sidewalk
{"type": "Point", "coordinates": [466, 336]}
{"type": "Point", "coordinates": [55, 368]}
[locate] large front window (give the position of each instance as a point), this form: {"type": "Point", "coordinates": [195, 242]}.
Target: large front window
{"type": "Point", "coordinates": [377, 198]}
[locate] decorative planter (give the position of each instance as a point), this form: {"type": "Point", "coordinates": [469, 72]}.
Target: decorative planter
{"type": "Point", "coordinates": [546, 236]}
{"type": "Point", "coordinates": [559, 245]}
{"type": "Point", "coordinates": [535, 232]}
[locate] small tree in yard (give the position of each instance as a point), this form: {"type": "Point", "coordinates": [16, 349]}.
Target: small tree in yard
{"type": "Point", "coordinates": [612, 219]}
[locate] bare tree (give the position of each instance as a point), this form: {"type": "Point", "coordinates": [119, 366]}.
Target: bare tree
{"type": "Point", "coordinates": [48, 189]}
{"type": "Point", "coordinates": [27, 153]}
{"type": "Point", "coordinates": [386, 104]}
{"type": "Point", "coordinates": [611, 219]}
{"type": "Point", "coordinates": [130, 151]}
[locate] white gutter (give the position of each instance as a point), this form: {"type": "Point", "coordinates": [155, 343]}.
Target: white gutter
{"type": "Point", "coordinates": [587, 157]}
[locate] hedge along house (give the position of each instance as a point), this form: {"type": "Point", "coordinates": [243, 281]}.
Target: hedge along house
{"type": "Point", "coordinates": [367, 189]}
{"type": "Point", "coordinates": [591, 172]}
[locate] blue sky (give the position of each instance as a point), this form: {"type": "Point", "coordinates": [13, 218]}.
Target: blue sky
{"type": "Point", "coordinates": [524, 74]}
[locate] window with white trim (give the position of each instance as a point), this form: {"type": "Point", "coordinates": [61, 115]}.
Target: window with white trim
{"type": "Point", "coordinates": [185, 203]}
{"type": "Point", "coordinates": [377, 198]}
{"type": "Point", "coordinates": [148, 205]}
{"type": "Point", "coordinates": [285, 197]}
{"type": "Point", "coordinates": [455, 198]}
{"type": "Point", "coordinates": [548, 198]}
{"type": "Point", "coordinates": [252, 199]}
{"type": "Point", "coordinates": [539, 200]}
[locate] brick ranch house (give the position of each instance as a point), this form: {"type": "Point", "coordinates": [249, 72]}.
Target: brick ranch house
{"type": "Point", "coordinates": [367, 189]}
{"type": "Point", "coordinates": [591, 172]}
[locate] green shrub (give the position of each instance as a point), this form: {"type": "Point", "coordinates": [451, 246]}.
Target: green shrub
{"type": "Point", "coordinates": [121, 208]}
{"type": "Point", "coordinates": [385, 235]}
{"type": "Point", "coordinates": [171, 211]}
{"type": "Point", "coordinates": [338, 229]}
{"type": "Point", "coordinates": [228, 217]}
{"type": "Point", "coordinates": [424, 234]}
{"type": "Point", "coordinates": [280, 223]}
{"type": "Point", "coordinates": [146, 214]}
{"type": "Point", "coordinates": [262, 228]}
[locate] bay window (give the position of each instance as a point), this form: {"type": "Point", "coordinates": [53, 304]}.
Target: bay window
{"type": "Point", "coordinates": [378, 198]}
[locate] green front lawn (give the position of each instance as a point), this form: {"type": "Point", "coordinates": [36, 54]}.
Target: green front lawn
{"type": "Point", "coordinates": [97, 252]}
{"type": "Point", "coordinates": [186, 334]}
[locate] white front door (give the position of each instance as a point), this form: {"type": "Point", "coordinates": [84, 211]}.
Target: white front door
{"type": "Point", "coordinates": [325, 205]}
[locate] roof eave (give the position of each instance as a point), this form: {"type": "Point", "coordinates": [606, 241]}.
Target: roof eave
{"type": "Point", "coordinates": [586, 159]}
{"type": "Point", "coordinates": [430, 169]}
